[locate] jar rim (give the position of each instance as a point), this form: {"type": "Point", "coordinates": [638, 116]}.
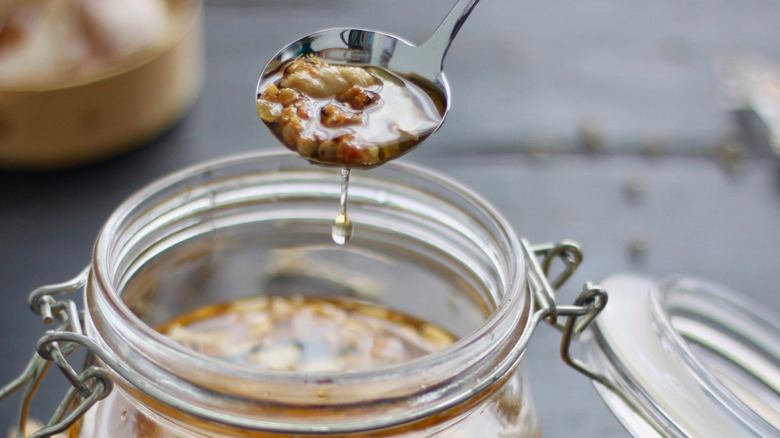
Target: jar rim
{"type": "Point", "coordinates": [688, 356]}
{"type": "Point", "coordinates": [510, 323]}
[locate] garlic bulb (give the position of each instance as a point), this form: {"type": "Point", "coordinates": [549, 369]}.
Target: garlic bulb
{"type": "Point", "coordinates": [43, 41]}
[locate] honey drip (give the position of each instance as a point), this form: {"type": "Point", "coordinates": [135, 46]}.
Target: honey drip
{"type": "Point", "coordinates": [342, 228]}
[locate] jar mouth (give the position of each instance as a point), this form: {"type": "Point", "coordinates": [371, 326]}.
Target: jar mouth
{"type": "Point", "coordinates": [728, 343]}
{"type": "Point", "coordinates": [399, 200]}
{"type": "Point", "coordinates": [688, 357]}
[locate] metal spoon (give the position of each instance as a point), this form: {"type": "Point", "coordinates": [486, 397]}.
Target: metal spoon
{"type": "Point", "coordinates": [359, 47]}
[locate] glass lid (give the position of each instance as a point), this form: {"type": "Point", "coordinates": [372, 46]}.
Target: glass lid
{"type": "Point", "coordinates": [686, 358]}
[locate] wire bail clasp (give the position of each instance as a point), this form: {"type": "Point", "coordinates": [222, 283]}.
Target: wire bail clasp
{"type": "Point", "coordinates": [586, 307]}
{"type": "Point", "coordinates": [54, 347]}
{"type": "Point", "coordinates": [567, 252]}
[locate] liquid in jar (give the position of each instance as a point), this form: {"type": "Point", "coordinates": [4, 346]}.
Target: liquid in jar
{"type": "Point", "coordinates": [305, 335]}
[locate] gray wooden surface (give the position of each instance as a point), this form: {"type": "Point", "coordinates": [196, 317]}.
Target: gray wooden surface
{"type": "Point", "coordinates": [599, 121]}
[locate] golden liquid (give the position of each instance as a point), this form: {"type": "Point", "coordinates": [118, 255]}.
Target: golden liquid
{"type": "Point", "coordinates": [342, 228]}
{"type": "Point", "coordinates": [409, 112]}
{"type": "Point", "coordinates": [307, 334]}
{"type": "Point", "coordinates": [398, 114]}
{"type": "Point", "coordinates": [304, 335]}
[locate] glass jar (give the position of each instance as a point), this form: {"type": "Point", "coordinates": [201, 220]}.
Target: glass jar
{"type": "Point", "coordinates": [260, 225]}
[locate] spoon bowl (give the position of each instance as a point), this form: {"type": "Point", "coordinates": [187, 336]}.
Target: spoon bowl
{"type": "Point", "coordinates": [368, 48]}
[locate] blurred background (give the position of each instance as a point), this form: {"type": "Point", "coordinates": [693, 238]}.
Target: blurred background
{"type": "Point", "coordinates": [643, 130]}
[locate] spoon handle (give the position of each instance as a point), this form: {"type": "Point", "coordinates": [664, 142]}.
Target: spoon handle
{"type": "Point", "coordinates": [439, 42]}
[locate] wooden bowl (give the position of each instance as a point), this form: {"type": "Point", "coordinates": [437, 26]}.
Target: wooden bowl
{"type": "Point", "coordinates": [126, 105]}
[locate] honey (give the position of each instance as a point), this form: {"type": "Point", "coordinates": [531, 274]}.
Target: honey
{"type": "Point", "coordinates": [342, 228]}
{"type": "Point", "coordinates": [297, 334]}
{"type": "Point", "coordinates": [348, 116]}
{"type": "Point", "coordinates": [303, 335]}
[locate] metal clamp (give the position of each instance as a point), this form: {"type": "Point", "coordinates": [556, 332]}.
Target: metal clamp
{"type": "Point", "coordinates": [581, 313]}
{"type": "Point", "coordinates": [54, 347]}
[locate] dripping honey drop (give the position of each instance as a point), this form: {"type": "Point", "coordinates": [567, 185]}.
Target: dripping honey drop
{"type": "Point", "coordinates": [341, 230]}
